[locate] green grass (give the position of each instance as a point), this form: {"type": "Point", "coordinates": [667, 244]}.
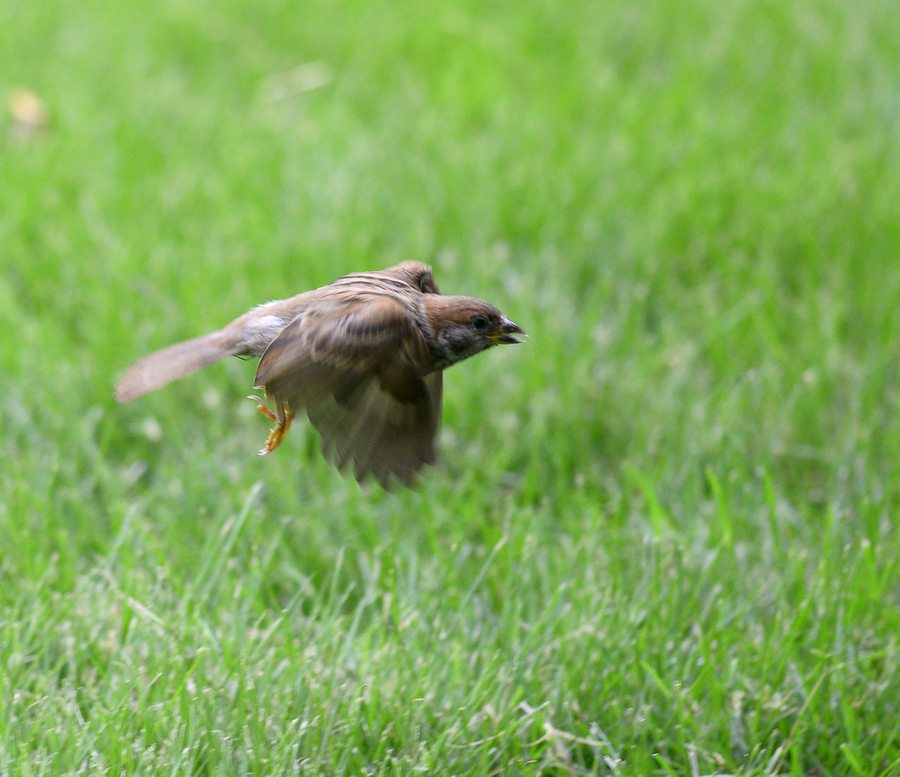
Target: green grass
{"type": "Point", "coordinates": [664, 538]}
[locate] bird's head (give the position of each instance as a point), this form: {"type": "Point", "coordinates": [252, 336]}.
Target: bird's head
{"type": "Point", "coordinates": [463, 326]}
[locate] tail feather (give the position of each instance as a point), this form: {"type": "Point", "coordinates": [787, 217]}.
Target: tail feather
{"type": "Point", "coordinates": [176, 361]}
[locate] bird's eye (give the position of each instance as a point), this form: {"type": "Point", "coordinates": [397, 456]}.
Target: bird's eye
{"type": "Point", "coordinates": [479, 323]}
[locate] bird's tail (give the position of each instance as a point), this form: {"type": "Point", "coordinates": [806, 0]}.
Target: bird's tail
{"type": "Point", "coordinates": [176, 361]}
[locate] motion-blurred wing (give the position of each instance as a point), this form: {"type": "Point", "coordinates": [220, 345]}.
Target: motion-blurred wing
{"type": "Point", "coordinates": [375, 432]}
{"type": "Point", "coordinates": [358, 368]}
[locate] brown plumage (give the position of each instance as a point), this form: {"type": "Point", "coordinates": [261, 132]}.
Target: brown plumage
{"type": "Point", "coordinates": [362, 356]}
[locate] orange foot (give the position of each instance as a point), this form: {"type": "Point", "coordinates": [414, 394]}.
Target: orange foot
{"type": "Point", "coordinates": [282, 417]}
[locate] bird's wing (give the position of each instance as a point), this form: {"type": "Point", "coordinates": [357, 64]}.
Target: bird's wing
{"type": "Point", "coordinates": [359, 368]}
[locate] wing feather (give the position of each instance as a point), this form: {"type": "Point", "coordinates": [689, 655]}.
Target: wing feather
{"type": "Point", "coordinates": [356, 368]}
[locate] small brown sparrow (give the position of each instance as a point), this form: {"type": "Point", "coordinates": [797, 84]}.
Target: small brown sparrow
{"type": "Point", "coordinates": [362, 356]}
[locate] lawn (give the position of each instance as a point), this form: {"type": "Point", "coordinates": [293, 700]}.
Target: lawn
{"type": "Point", "coordinates": [663, 539]}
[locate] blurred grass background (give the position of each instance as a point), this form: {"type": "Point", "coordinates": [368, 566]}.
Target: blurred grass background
{"type": "Point", "coordinates": [663, 538]}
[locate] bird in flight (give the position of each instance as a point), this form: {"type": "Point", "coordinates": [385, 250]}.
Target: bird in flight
{"type": "Point", "coordinates": [363, 357]}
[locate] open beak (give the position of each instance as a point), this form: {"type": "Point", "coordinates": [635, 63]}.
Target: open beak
{"type": "Point", "coordinates": [507, 333]}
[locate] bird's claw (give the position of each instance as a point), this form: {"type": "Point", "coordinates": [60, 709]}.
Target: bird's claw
{"type": "Point", "coordinates": [263, 408]}
{"type": "Point", "coordinates": [282, 417]}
